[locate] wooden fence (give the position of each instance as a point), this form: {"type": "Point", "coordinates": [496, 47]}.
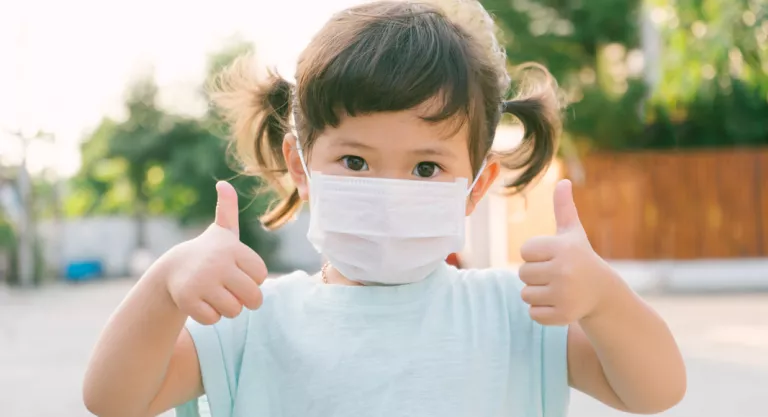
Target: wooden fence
{"type": "Point", "coordinates": [676, 205]}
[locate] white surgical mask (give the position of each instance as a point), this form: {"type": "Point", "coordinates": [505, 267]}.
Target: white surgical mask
{"type": "Point", "coordinates": [385, 231]}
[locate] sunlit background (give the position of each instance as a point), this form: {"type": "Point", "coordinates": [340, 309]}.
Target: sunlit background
{"type": "Point", "coordinates": [67, 64]}
{"type": "Point", "coordinates": [109, 154]}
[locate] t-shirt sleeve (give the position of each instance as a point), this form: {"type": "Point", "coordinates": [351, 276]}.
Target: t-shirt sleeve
{"type": "Point", "coordinates": [555, 391]}
{"type": "Point", "coordinates": [220, 351]}
{"type": "Point", "coordinates": [548, 350]}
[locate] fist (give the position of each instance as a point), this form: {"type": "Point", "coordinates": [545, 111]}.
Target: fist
{"type": "Point", "coordinates": [216, 275]}
{"type": "Point", "coordinates": [564, 278]}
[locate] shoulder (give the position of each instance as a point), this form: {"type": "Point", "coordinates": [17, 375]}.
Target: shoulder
{"type": "Point", "coordinates": [288, 283]}
{"type": "Point", "coordinates": [221, 347]}
{"type": "Point", "coordinates": [543, 348]}
{"type": "Point", "coordinates": [273, 288]}
{"type": "Point", "coordinates": [284, 291]}
{"type": "Point", "coordinates": [225, 340]}
{"type": "Point", "coordinates": [502, 278]}
{"type": "Point", "coordinates": [499, 284]}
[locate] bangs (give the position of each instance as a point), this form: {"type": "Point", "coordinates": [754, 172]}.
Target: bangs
{"type": "Point", "coordinates": [391, 64]}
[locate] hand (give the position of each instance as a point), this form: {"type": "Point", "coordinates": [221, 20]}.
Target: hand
{"type": "Point", "coordinates": [215, 274]}
{"type": "Point", "coordinates": [565, 279]}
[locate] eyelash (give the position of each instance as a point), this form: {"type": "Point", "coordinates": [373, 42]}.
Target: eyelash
{"type": "Point", "coordinates": [344, 160]}
{"type": "Point", "coordinates": [437, 167]}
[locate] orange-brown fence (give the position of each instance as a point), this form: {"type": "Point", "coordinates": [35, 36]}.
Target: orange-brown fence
{"type": "Point", "coordinates": [676, 205]}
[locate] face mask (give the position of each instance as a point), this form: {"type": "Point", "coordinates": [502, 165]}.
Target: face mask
{"type": "Point", "coordinates": [385, 231]}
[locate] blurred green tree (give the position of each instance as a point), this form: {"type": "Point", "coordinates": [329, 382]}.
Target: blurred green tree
{"type": "Point", "coordinates": [156, 163]}
{"type": "Point", "coordinates": [8, 248]}
{"type": "Point", "coordinates": [714, 88]}
{"type": "Point", "coordinates": [590, 47]}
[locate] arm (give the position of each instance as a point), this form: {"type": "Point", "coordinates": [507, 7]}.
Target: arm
{"type": "Point", "coordinates": [619, 350]}
{"type": "Point", "coordinates": [144, 362]}
{"type": "Point", "coordinates": [625, 356]}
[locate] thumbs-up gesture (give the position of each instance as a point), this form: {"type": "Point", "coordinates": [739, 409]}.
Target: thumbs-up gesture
{"type": "Point", "coordinates": [565, 279]}
{"type": "Point", "coordinates": [214, 274]}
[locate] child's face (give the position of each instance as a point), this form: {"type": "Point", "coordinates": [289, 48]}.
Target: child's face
{"type": "Point", "coordinates": [395, 145]}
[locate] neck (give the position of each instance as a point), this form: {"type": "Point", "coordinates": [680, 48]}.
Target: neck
{"type": "Point", "coordinates": [336, 278]}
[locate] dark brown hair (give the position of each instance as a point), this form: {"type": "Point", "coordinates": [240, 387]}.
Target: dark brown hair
{"type": "Point", "coordinates": [381, 57]}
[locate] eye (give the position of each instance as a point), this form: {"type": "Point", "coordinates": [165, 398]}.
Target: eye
{"type": "Point", "coordinates": [354, 163]}
{"type": "Point", "coordinates": [426, 169]}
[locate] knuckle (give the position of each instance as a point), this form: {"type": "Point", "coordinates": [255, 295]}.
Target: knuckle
{"type": "Point", "coordinates": [230, 310]}
{"type": "Point", "coordinates": [186, 298]}
{"type": "Point", "coordinates": [207, 318]}
{"type": "Point", "coordinates": [524, 271]}
{"type": "Point", "coordinates": [262, 267]}
{"type": "Point", "coordinates": [254, 257]}
{"type": "Point", "coordinates": [545, 317]}
{"type": "Point", "coordinates": [255, 300]}
{"type": "Point", "coordinates": [254, 303]}
{"type": "Point", "coordinates": [547, 321]}
{"type": "Point", "coordinates": [559, 297]}
{"type": "Point", "coordinates": [527, 248]}
{"type": "Point", "coordinates": [536, 315]}
{"type": "Point", "coordinates": [525, 294]}
{"type": "Point", "coordinates": [228, 314]}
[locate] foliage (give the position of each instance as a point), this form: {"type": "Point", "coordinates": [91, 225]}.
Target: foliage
{"type": "Point", "coordinates": [713, 89]}
{"type": "Point", "coordinates": [8, 247]}
{"type": "Point", "coordinates": [7, 233]}
{"type": "Point", "coordinates": [586, 45]}
{"type": "Point", "coordinates": [709, 42]}
{"type": "Point", "coordinates": [156, 163]}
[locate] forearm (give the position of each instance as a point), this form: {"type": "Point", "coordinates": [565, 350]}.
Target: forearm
{"type": "Point", "coordinates": [637, 352]}
{"type": "Point", "coordinates": [131, 357]}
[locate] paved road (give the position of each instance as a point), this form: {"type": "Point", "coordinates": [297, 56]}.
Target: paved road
{"type": "Point", "coordinates": [46, 336]}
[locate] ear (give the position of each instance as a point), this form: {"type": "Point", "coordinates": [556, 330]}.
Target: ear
{"type": "Point", "coordinates": [483, 184]}
{"type": "Point", "coordinates": [295, 168]}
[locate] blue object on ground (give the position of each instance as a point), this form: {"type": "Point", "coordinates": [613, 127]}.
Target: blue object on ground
{"type": "Point", "coordinates": [84, 270]}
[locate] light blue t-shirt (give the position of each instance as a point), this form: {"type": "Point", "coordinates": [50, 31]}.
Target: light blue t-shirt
{"type": "Point", "coordinates": [458, 344]}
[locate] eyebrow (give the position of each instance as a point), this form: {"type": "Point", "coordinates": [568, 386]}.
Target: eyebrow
{"type": "Point", "coordinates": [351, 143]}
{"type": "Point", "coordinates": [433, 152]}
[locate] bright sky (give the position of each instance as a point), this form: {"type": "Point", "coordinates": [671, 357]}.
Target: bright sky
{"type": "Point", "coordinates": [66, 64]}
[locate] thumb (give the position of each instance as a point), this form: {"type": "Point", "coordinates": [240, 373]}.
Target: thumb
{"type": "Point", "coordinates": [566, 215]}
{"type": "Point", "coordinates": [226, 207]}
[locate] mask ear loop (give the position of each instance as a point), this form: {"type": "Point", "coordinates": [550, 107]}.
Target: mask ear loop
{"type": "Point", "coordinates": [301, 157]}
{"type": "Point", "coordinates": [477, 177]}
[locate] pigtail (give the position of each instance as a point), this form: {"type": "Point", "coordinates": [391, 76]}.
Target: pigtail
{"type": "Point", "coordinates": [538, 108]}
{"type": "Point", "coordinates": [258, 112]}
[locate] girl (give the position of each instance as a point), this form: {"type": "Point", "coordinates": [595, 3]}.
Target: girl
{"type": "Point", "coordinates": [395, 108]}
